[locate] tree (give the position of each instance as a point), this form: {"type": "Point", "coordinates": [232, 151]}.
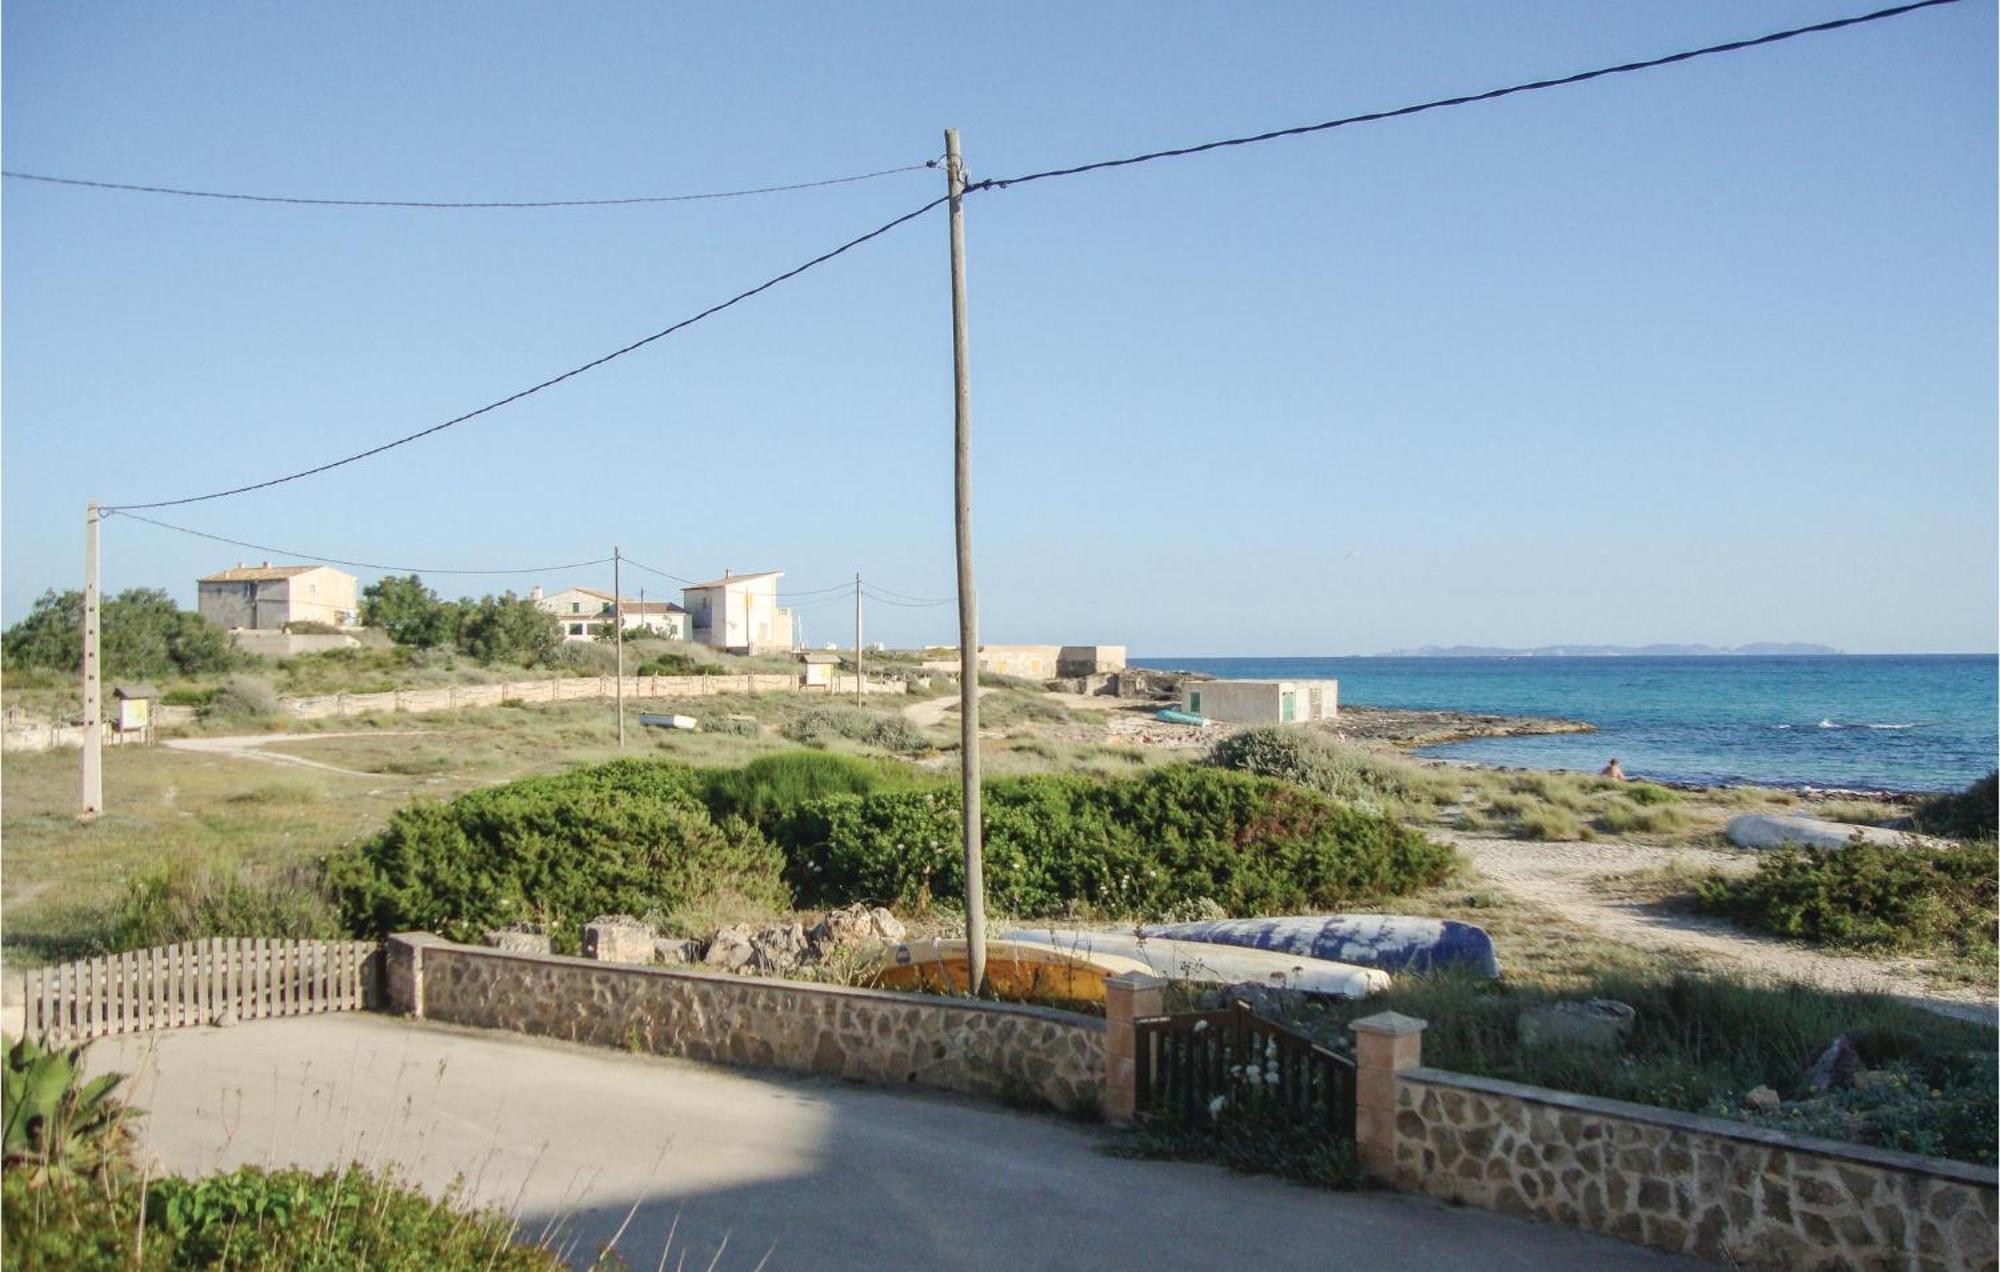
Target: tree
{"type": "Point", "coordinates": [409, 612]}
{"type": "Point", "coordinates": [142, 634]}
{"type": "Point", "coordinates": [508, 628]}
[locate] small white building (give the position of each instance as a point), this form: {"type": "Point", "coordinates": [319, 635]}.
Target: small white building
{"type": "Point", "coordinates": [739, 613]}
{"type": "Point", "coordinates": [585, 613]}
{"type": "Point", "coordinates": [656, 618]}
{"type": "Point", "coordinates": [1262, 701]}
{"type": "Point", "coordinates": [267, 597]}
{"type": "Point", "coordinates": [817, 669]}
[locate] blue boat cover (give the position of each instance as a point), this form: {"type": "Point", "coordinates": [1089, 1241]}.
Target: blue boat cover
{"type": "Point", "coordinates": [1393, 942]}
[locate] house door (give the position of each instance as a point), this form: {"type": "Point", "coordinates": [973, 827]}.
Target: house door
{"type": "Point", "coordinates": [1288, 707]}
{"type": "Point", "coordinates": [1194, 701]}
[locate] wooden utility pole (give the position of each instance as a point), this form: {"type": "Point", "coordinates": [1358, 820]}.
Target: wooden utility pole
{"type": "Point", "coordinates": [857, 638]}
{"type": "Point", "coordinates": [93, 685]}
{"type": "Point", "coordinates": [618, 632]}
{"type": "Point", "coordinates": [968, 602]}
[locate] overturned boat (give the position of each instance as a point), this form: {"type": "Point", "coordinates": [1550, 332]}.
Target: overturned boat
{"type": "Point", "coordinates": [1209, 964]}
{"type": "Point", "coordinates": [1393, 943]}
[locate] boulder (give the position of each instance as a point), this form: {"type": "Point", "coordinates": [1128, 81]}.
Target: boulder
{"type": "Point", "coordinates": [1762, 1100]}
{"type": "Point", "coordinates": [618, 938]}
{"type": "Point", "coordinates": [888, 926]}
{"type": "Point", "coordinates": [1837, 1066]}
{"type": "Point", "coordinates": [730, 949]}
{"type": "Point", "coordinates": [673, 952]}
{"type": "Point", "coordinates": [854, 926]}
{"type": "Point", "coordinates": [519, 938]}
{"type": "Point", "coordinates": [1600, 1024]}
{"type": "Point", "coordinates": [778, 947]}
{"type": "Point", "coordinates": [1765, 830]}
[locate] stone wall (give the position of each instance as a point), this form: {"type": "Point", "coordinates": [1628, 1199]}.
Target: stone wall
{"type": "Point", "coordinates": [1706, 1186]}
{"type": "Point", "coordinates": [569, 689]}
{"type": "Point", "coordinates": [997, 1050]}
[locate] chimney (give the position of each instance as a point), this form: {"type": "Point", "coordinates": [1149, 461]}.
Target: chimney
{"type": "Point", "coordinates": [239, 565]}
{"type": "Point", "coordinates": [535, 592]}
{"type": "Point", "coordinates": [267, 565]}
{"type": "Point", "coordinates": [726, 571]}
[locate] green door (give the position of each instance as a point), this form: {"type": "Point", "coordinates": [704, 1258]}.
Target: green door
{"type": "Point", "coordinates": [1288, 707]}
{"type": "Point", "coordinates": [1194, 702]}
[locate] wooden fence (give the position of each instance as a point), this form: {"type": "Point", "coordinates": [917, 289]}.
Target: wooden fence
{"type": "Point", "coordinates": [1187, 1062]}
{"type": "Point", "coordinates": [197, 983]}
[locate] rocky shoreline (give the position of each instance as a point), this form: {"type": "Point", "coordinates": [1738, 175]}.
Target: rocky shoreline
{"type": "Point", "coordinates": [1409, 729]}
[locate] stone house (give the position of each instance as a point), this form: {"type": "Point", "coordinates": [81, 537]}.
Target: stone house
{"type": "Point", "coordinates": [739, 613]}
{"type": "Point", "coordinates": [1262, 701]}
{"type": "Point", "coordinates": [267, 597]}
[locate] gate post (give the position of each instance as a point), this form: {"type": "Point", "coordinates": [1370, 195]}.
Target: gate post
{"type": "Point", "coordinates": [403, 971]}
{"type": "Point", "coordinates": [1384, 1044]}
{"type": "Point", "coordinates": [1127, 997]}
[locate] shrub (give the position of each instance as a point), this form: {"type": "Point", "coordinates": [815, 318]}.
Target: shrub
{"type": "Point", "coordinates": [58, 1126]}
{"type": "Point", "coordinates": [1550, 823]}
{"type": "Point", "coordinates": [678, 664]}
{"type": "Point", "coordinates": [1621, 816]}
{"type": "Point", "coordinates": [1867, 896]}
{"type": "Point", "coordinates": [737, 726]}
{"type": "Point", "coordinates": [243, 701]}
{"type": "Point", "coordinates": [1309, 758]}
{"type": "Point", "coordinates": [819, 725]}
{"type": "Point", "coordinates": [774, 784]}
{"type": "Point", "coordinates": [181, 901]}
{"type": "Point", "coordinates": [630, 837]}
{"type": "Point", "coordinates": [1137, 845]}
{"type": "Point", "coordinates": [1970, 814]}
{"type": "Point", "coordinates": [144, 635]}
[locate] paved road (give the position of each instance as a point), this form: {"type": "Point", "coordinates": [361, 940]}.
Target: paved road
{"type": "Point", "coordinates": [819, 1174]}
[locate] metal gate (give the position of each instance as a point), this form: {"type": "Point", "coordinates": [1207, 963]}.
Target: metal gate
{"type": "Point", "coordinates": [1186, 1063]}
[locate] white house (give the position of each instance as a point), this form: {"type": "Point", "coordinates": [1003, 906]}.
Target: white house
{"type": "Point", "coordinates": [656, 618]}
{"type": "Point", "coordinates": [1262, 701]}
{"type": "Point", "coordinates": [267, 597]}
{"type": "Point", "coordinates": [739, 613]}
{"type": "Point", "coordinates": [586, 613]}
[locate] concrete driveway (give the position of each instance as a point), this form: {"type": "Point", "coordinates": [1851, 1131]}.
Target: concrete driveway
{"type": "Point", "coordinates": [813, 1174]}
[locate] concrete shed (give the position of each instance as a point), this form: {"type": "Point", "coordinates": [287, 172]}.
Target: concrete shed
{"type": "Point", "coordinates": [1263, 701]}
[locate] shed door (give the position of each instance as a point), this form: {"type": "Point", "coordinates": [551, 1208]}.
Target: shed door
{"type": "Point", "coordinates": [1194, 701]}
{"type": "Point", "coordinates": [1288, 707]}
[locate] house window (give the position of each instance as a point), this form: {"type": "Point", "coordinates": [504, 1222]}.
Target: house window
{"type": "Point", "coordinates": [576, 607]}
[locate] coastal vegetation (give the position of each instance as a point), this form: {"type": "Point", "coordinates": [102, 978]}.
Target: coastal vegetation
{"type": "Point", "coordinates": [143, 636]}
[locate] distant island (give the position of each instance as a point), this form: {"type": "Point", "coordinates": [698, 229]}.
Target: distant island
{"type": "Point", "coordinates": [1761, 649]}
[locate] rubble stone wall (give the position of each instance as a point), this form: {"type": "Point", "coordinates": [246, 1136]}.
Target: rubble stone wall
{"type": "Point", "coordinates": [996, 1050]}
{"type": "Point", "coordinates": [1721, 1190]}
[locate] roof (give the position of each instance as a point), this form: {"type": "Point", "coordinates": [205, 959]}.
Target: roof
{"type": "Point", "coordinates": [587, 591]}
{"type": "Point", "coordinates": [259, 573]}
{"type": "Point", "coordinates": [815, 656]}
{"type": "Point", "coordinates": [728, 579]}
{"type": "Point", "coordinates": [134, 691]}
{"type": "Point", "coordinates": [653, 607]}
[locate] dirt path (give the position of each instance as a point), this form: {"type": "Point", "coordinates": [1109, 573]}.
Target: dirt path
{"type": "Point", "coordinates": [251, 747]}
{"type": "Point", "coordinates": [1568, 878]}
{"type": "Point", "coordinates": [931, 711]}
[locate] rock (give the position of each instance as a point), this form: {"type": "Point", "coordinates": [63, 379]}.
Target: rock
{"type": "Point", "coordinates": [618, 938]}
{"type": "Point", "coordinates": [852, 926]}
{"type": "Point", "coordinates": [1762, 830]}
{"type": "Point", "coordinates": [1762, 1100]}
{"type": "Point", "coordinates": [888, 926]}
{"type": "Point", "coordinates": [519, 938]}
{"type": "Point", "coordinates": [778, 947]}
{"type": "Point", "coordinates": [1836, 1066]}
{"type": "Point", "coordinates": [1871, 1079]}
{"type": "Point", "coordinates": [673, 952]}
{"type": "Point", "coordinates": [730, 949]}
{"type": "Point", "coordinates": [1601, 1024]}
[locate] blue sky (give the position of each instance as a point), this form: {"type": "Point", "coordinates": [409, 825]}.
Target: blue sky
{"type": "Point", "coordinates": [1703, 354]}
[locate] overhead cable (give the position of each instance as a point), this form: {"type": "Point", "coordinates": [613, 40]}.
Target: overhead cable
{"type": "Point", "coordinates": [1580, 77]}
{"type": "Point", "coordinates": [594, 363]}
{"type": "Point", "coordinates": [462, 204]}
{"type": "Point", "coordinates": [359, 565]}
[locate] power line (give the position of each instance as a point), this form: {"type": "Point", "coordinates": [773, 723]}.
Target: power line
{"type": "Point", "coordinates": [1580, 77]}
{"type": "Point", "coordinates": [873, 588]}
{"type": "Point", "coordinates": [594, 363]}
{"type": "Point", "coordinates": [462, 204]}
{"type": "Point", "coordinates": [905, 604]}
{"type": "Point", "coordinates": [359, 565]}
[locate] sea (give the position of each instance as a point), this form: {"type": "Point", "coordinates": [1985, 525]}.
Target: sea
{"type": "Point", "coordinates": [1858, 721]}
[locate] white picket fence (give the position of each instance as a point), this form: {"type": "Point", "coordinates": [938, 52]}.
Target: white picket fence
{"type": "Point", "coordinates": [195, 983]}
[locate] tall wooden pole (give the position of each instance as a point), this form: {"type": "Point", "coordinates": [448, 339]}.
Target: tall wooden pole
{"type": "Point", "coordinates": [618, 624]}
{"type": "Point", "coordinates": [93, 685]}
{"type": "Point", "coordinates": [968, 601]}
{"type": "Point", "coordinates": [857, 638]}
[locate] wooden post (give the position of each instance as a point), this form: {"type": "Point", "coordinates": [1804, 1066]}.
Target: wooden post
{"type": "Point", "coordinates": [857, 638]}
{"type": "Point", "coordinates": [93, 686]}
{"type": "Point", "coordinates": [968, 605]}
{"type": "Point", "coordinates": [618, 633]}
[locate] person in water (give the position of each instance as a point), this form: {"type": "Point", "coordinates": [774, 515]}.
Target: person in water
{"type": "Point", "coordinates": [1612, 771]}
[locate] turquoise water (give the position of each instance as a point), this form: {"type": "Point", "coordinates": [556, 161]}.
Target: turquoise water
{"type": "Point", "coordinates": [1880, 722]}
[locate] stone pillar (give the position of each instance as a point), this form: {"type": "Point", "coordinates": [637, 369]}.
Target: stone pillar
{"type": "Point", "coordinates": [403, 972]}
{"type": "Point", "coordinates": [1127, 997]}
{"type": "Point", "coordinates": [1384, 1045]}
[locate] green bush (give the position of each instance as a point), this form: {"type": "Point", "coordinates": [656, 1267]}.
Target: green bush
{"type": "Point", "coordinates": [1137, 845]}
{"type": "Point", "coordinates": [772, 785]}
{"type": "Point", "coordinates": [678, 664]}
{"type": "Point", "coordinates": [1970, 814]}
{"type": "Point", "coordinates": [630, 837]}
{"type": "Point", "coordinates": [183, 901]}
{"type": "Point", "coordinates": [243, 701]}
{"type": "Point", "coordinates": [60, 1128]}
{"type": "Point", "coordinates": [819, 725]}
{"type": "Point", "coordinates": [1867, 896]}
{"type": "Point", "coordinates": [253, 1218]}
{"type": "Point", "coordinates": [143, 635]}
{"type": "Point", "coordinates": [1306, 757]}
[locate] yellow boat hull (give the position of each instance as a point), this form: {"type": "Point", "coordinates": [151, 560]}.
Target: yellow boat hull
{"type": "Point", "coordinates": [1014, 969]}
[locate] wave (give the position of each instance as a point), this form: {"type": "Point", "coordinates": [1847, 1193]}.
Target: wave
{"type": "Point", "coordinates": [1830, 724]}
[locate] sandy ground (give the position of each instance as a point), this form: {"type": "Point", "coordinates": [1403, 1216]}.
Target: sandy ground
{"type": "Point", "coordinates": [1568, 878]}
{"type": "Point", "coordinates": [251, 747]}
{"type": "Point", "coordinates": [815, 1174]}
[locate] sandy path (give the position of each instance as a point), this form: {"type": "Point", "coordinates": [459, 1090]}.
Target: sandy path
{"type": "Point", "coordinates": [932, 711]}
{"type": "Point", "coordinates": [251, 747]}
{"type": "Point", "coordinates": [1566, 877]}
